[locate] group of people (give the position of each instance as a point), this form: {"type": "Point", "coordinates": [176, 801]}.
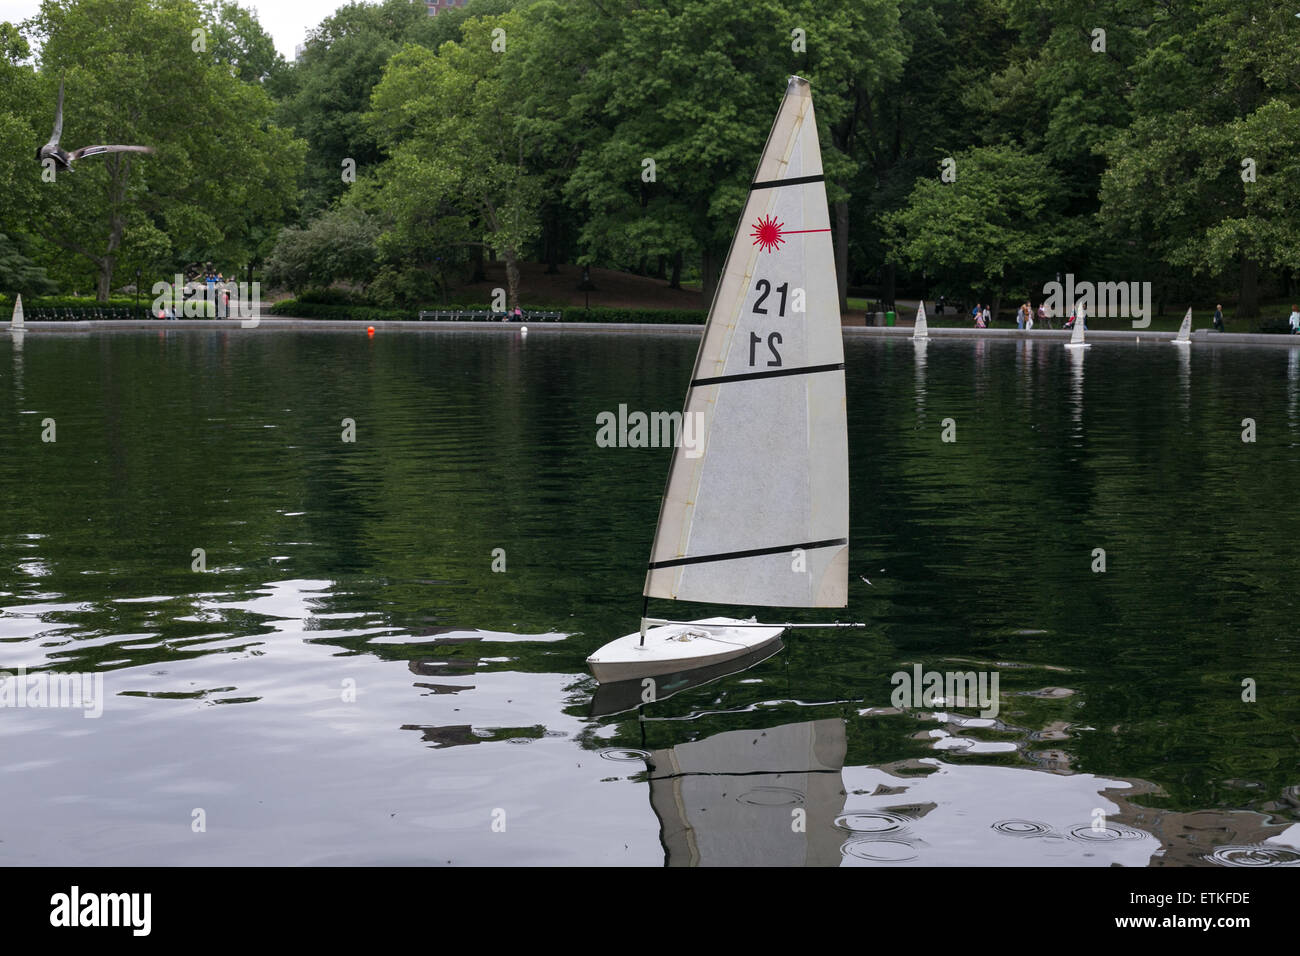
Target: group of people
{"type": "Point", "coordinates": [1025, 316]}
{"type": "Point", "coordinates": [210, 286]}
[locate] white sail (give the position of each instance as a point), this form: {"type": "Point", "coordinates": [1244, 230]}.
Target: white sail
{"type": "Point", "coordinates": [1185, 330]}
{"type": "Point", "coordinates": [761, 516]}
{"type": "Point", "coordinates": [17, 322]}
{"type": "Point", "coordinates": [922, 329]}
{"type": "Point", "coordinates": [1076, 337]}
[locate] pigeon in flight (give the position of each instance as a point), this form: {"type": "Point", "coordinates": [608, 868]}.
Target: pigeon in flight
{"type": "Point", "coordinates": [63, 160]}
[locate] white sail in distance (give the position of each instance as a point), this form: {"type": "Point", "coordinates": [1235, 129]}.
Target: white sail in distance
{"type": "Point", "coordinates": [1185, 330]}
{"type": "Point", "coordinates": [17, 321]}
{"type": "Point", "coordinates": [1076, 335]}
{"type": "Point", "coordinates": [761, 516]}
{"type": "Point", "coordinates": [922, 329]}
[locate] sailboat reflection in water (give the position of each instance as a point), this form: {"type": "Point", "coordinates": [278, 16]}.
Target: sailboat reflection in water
{"type": "Point", "coordinates": [761, 517]}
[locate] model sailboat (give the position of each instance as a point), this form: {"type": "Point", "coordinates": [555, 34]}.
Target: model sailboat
{"type": "Point", "coordinates": [1185, 330]}
{"type": "Point", "coordinates": [1076, 336]}
{"type": "Point", "coordinates": [761, 516]}
{"type": "Point", "coordinates": [922, 328]}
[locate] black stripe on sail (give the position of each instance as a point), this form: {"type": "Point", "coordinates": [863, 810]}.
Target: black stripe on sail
{"type": "Point", "coordinates": [756, 552]}
{"type": "Point", "coordinates": [775, 373]}
{"type": "Point", "coordinates": [795, 181]}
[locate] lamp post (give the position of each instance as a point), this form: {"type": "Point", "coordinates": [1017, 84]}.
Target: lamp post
{"type": "Point", "coordinates": [137, 293]}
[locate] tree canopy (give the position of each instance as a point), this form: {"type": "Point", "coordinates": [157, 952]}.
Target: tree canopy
{"type": "Point", "coordinates": [1119, 140]}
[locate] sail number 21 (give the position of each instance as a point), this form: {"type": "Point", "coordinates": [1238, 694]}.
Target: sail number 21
{"type": "Point", "coordinates": [774, 338]}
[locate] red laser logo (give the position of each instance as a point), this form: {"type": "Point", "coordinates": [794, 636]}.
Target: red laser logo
{"type": "Point", "coordinates": [769, 233]}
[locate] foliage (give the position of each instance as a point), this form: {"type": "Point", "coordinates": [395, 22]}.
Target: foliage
{"type": "Point", "coordinates": [339, 245]}
{"type": "Point", "coordinates": [989, 228]}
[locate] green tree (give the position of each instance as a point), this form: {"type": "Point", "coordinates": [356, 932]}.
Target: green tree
{"type": "Point", "coordinates": [237, 39]}
{"type": "Point", "coordinates": [331, 84]}
{"type": "Point", "coordinates": [18, 273]}
{"type": "Point", "coordinates": [1204, 175]}
{"type": "Point", "coordinates": [135, 72]}
{"type": "Point", "coordinates": [693, 86]}
{"type": "Point", "coordinates": [451, 122]}
{"type": "Point", "coordinates": [987, 230]}
{"type": "Point", "coordinates": [338, 245]}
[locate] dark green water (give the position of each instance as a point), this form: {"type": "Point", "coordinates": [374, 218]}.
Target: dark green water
{"type": "Point", "coordinates": [314, 696]}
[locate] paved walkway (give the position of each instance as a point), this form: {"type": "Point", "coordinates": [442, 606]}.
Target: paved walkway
{"type": "Point", "coordinates": [1201, 337]}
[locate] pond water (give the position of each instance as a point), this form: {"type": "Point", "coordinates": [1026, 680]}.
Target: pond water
{"type": "Point", "coordinates": [316, 651]}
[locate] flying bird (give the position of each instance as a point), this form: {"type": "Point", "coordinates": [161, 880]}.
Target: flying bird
{"type": "Point", "coordinates": [63, 159]}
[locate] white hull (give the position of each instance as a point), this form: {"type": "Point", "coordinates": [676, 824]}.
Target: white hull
{"type": "Point", "coordinates": [1078, 345]}
{"type": "Point", "coordinates": [1182, 341]}
{"type": "Point", "coordinates": [671, 648]}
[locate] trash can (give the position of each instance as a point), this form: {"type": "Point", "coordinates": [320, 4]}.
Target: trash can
{"type": "Point", "coordinates": [877, 318]}
{"type": "Point", "coordinates": [889, 318]}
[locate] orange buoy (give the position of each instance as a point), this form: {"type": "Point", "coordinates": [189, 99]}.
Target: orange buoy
{"type": "Point", "coordinates": [370, 330]}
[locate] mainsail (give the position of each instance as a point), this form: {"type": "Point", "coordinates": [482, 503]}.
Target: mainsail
{"type": "Point", "coordinates": [1076, 336]}
{"type": "Point", "coordinates": [1185, 330]}
{"type": "Point", "coordinates": [761, 516]}
{"type": "Point", "coordinates": [922, 328]}
{"type": "Point", "coordinates": [17, 321]}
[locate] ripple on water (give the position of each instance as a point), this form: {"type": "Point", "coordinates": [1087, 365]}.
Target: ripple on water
{"type": "Point", "coordinates": [877, 821]}
{"type": "Point", "coordinates": [624, 753]}
{"type": "Point", "coordinates": [879, 851]}
{"type": "Point", "coordinates": [1022, 828]}
{"type": "Point", "coordinates": [1087, 833]}
{"type": "Point", "coordinates": [772, 797]}
{"type": "Point", "coordinates": [1254, 854]}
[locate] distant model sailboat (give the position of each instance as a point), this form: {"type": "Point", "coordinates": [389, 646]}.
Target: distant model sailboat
{"type": "Point", "coordinates": [761, 516]}
{"type": "Point", "coordinates": [1185, 330]}
{"type": "Point", "coordinates": [1076, 337]}
{"type": "Point", "coordinates": [922, 328]}
{"type": "Point", "coordinates": [17, 324]}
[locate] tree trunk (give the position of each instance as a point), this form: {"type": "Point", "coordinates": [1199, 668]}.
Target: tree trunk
{"type": "Point", "coordinates": [104, 281]}
{"type": "Point", "coordinates": [676, 281]}
{"type": "Point", "coordinates": [661, 270]}
{"type": "Point", "coordinates": [1248, 302]}
{"type": "Point", "coordinates": [512, 277]}
{"type": "Point", "coordinates": [842, 253]}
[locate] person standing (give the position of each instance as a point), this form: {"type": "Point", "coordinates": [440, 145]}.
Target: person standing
{"type": "Point", "coordinates": [1044, 315]}
{"type": "Point", "coordinates": [1020, 317]}
{"type": "Point", "coordinates": [1295, 319]}
{"type": "Point", "coordinates": [1029, 317]}
{"type": "Point", "coordinates": [987, 316]}
{"type": "Point", "coordinates": [1218, 318]}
